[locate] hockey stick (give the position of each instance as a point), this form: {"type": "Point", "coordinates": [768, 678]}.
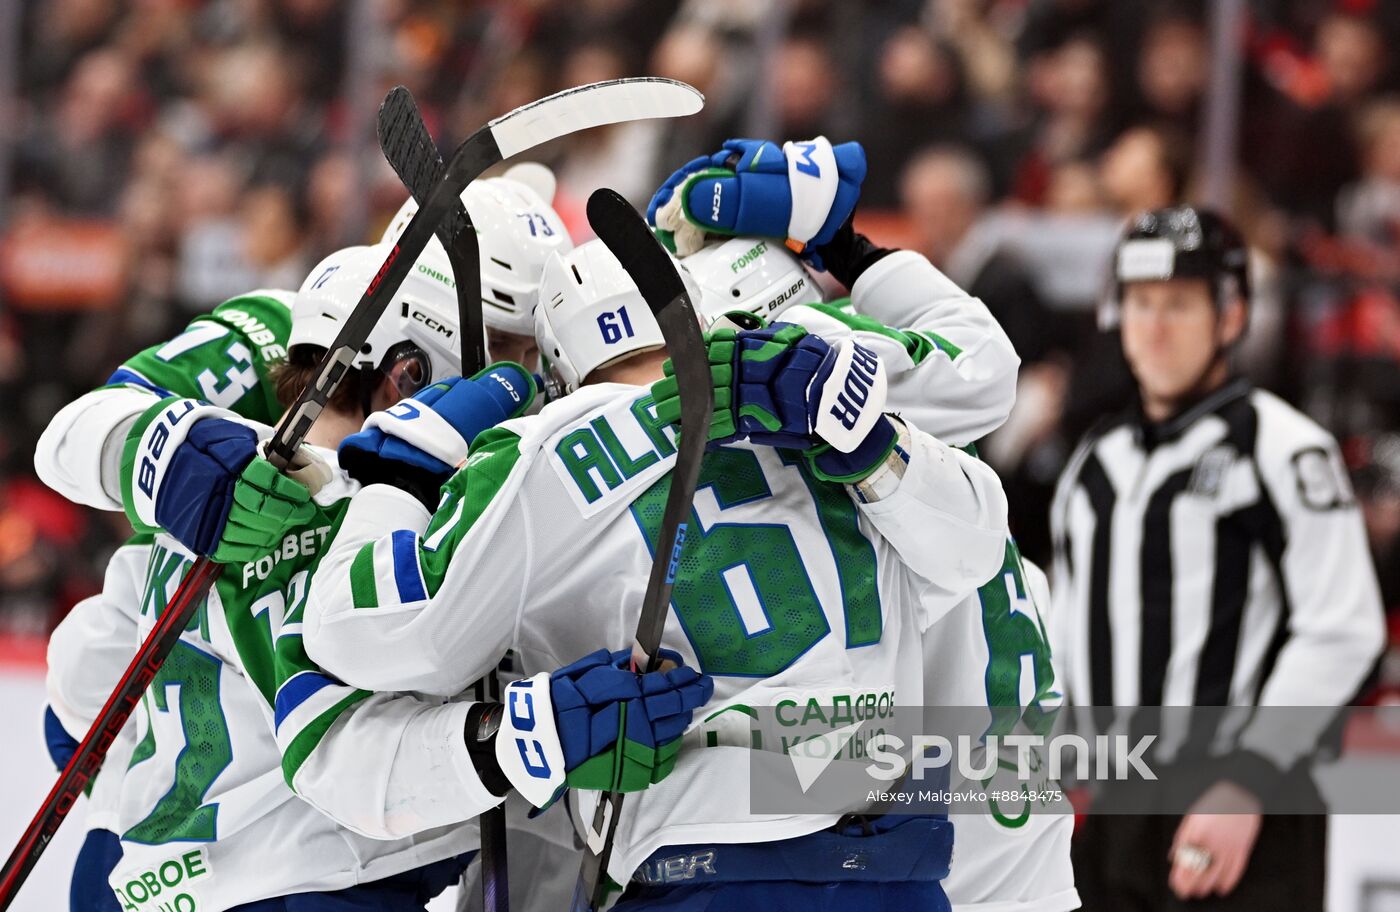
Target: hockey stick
{"type": "Point", "coordinates": [626, 234]}
{"type": "Point", "coordinates": [410, 150]}
{"type": "Point", "coordinates": [540, 121]}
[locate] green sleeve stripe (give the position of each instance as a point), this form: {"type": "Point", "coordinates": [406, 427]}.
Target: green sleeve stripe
{"type": "Point", "coordinates": [310, 737]}
{"type": "Point", "coordinates": [918, 345]}
{"type": "Point", "coordinates": [363, 593]}
{"type": "Point", "coordinates": [948, 348]}
{"type": "Point", "coordinates": [494, 454]}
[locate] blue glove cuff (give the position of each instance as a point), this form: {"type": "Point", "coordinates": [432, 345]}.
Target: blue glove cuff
{"type": "Point", "coordinates": [831, 464]}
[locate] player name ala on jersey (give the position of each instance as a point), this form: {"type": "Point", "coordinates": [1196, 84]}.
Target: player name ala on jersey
{"type": "Point", "coordinates": [616, 453]}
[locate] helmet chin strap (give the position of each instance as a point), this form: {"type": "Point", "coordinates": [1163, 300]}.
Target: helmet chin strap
{"type": "Point", "coordinates": [1200, 387]}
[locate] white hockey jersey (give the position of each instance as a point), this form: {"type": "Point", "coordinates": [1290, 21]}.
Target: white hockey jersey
{"type": "Point", "coordinates": [991, 649]}
{"type": "Point", "coordinates": [956, 376]}
{"type": "Point", "coordinates": [87, 654]}
{"type": "Point", "coordinates": [543, 543]}
{"type": "Point", "coordinates": [238, 712]}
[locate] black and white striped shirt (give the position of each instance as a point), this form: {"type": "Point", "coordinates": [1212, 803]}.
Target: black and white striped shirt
{"type": "Point", "coordinates": [1215, 559]}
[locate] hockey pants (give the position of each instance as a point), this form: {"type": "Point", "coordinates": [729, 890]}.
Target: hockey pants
{"type": "Point", "coordinates": [897, 868]}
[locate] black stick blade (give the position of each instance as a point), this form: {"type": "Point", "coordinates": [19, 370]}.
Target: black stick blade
{"type": "Point", "coordinates": [409, 148]}
{"type": "Point", "coordinates": [407, 144]}
{"type": "Point", "coordinates": [658, 278]}
{"type": "Point", "coordinates": [626, 234]}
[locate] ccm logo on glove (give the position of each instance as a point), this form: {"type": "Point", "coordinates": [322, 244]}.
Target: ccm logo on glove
{"type": "Point", "coordinates": [504, 381]}
{"type": "Point", "coordinates": [520, 702]}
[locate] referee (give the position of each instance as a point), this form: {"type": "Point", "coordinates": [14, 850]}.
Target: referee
{"type": "Point", "coordinates": [1208, 552]}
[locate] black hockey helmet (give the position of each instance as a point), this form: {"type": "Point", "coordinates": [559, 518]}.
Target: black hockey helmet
{"type": "Point", "coordinates": [1174, 243]}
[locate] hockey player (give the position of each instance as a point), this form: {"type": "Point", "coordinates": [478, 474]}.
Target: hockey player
{"type": "Point", "coordinates": [239, 678]}
{"type": "Point", "coordinates": [1008, 859]}
{"type": "Point", "coordinates": [517, 229]}
{"type": "Point", "coordinates": [578, 487]}
{"type": "Point", "coordinates": [228, 357]}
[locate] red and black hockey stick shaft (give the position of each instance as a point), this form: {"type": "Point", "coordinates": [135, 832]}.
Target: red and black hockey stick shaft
{"type": "Point", "coordinates": [418, 165]}
{"type": "Point", "coordinates": [530, 125]}
{"type": "Point", "coordinates": [195, 587]}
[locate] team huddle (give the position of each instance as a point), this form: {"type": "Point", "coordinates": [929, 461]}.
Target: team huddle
{"type": "Point", "coordinates": [327, 731]}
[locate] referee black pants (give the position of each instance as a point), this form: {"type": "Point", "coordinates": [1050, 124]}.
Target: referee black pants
{"type": "Point", "coordinates": [1121, 865]}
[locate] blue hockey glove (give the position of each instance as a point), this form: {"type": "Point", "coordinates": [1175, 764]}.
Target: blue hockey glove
{"type": "Point", "coordinates": [781, 386]}
{"type": "Point", "coordinates": [182, 464]}
{"type": "Point", "coordinates": [596, 724]}
{"type": "Point", "coordinates": [801, 192]}
{"type": "Point", "coordinates": [416, 444]}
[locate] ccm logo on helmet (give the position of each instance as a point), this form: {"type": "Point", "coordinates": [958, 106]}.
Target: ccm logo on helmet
{"type": "Point", "coordinates": [855, 390]}
{"type": "Point", "coordinates": [520, 703]}
{"type": "Point", "coordinates": [432, 323]}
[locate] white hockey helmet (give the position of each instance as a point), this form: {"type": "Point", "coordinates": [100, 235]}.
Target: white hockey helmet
{"type": "Point", "coordinates": [517, 229]}
{"type": "Point", "coordinates": [420, 322]}
{"type": "Point", "coordinates": [758, 275]}
{"type": "Point", "coordinates": [592, 315]}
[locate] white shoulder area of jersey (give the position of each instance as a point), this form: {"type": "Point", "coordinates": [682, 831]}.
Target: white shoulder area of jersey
{"type": "Point", "coordinates": [1112, 434]}
{"type": "Point", "coordinates": [816, 321]}
{"type": "Point", "coordinates": [561, 415]}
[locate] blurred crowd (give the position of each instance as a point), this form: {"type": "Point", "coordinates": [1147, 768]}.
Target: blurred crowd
{"type": "Point", "coordinates": [162, 155]}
